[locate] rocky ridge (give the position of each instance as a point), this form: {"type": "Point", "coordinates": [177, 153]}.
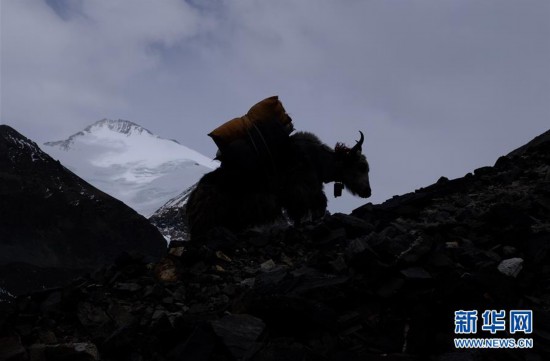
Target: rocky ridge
{"type": "Point", "coordinates": [54, 225]}
{"type": "Point", "coordinates": [380, 284]}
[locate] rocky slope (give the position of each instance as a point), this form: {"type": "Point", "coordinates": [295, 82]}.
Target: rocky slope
{"type": "Point", "coordinates": [170, 220]}
{"type": "Point", "coordinates": [381, 284]}
{"type": "Point", "coordinates": [131, 163]}
{"type": "Point", "coordinates": [52, 223]}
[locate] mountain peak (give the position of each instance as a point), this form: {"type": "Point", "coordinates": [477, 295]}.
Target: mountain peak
{"type": "Point", "coordinates": [131, 163]}
{"type": "Point", "coordinates": [120, 126]}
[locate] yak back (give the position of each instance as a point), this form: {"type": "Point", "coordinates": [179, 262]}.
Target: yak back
{"type": "Point", "coordinates": [308, 152]}
{"type": "Point", "coordinates": [257, 140]}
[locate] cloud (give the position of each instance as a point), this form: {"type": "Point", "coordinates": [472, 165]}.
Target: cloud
{"type": "Point", "coordinates": [61, 68]}
{"type": "Point", "coordinates": [438, 87]}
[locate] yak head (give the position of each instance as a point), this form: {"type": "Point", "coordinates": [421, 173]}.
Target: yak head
{"type": "Point", "coordinates": [353, 167]}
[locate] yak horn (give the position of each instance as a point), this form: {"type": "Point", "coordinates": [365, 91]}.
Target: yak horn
{"type": "Point", "coordinates": [358, 146]}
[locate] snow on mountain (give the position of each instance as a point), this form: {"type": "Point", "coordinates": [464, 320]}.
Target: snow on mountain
{"type": "Point", "coordinates": [170, 218]}
{"type": "Point", "coordinates": [130, 163]}
{"type": "Point", "coordinates": [6, 296]}
{"type": "Point", "coordinates": [25, 147]}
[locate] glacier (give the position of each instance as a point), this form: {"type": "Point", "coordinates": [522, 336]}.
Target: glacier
{"type": "Point", "coordinates": [130, 163]}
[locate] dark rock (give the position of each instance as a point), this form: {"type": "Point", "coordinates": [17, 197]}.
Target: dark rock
{"type": "Point", "coordinates": [390, 287]}
{"type": "Point", "coordinates": [354, 226]}
{"type": "Point", "coordinates": [416, 273]}
{"type": "Point", "coordinates": [418, 248]}
{"type": "Point", "coordinates": [229, 290]}
{"type": "Point", "coordinates": [91, 315]}
{"type": "Point", "coordinates": [332, 236]}
{"type": "Point", "coordinates": [11, 349]}
{"type": "Point", "coordinates": [167, 270]}
{"type": "Point", "coordinates": [267, 282]}
{"type": "Point", "coordinates": [339, 264]}
{"type": "Point", "coordinates": [155, 290]}
{"type": "Point", "coordinates": [284, 349]}
{"type": "Point", "coordinates": [120, 343]}
{"type": "Point", "coordinates": [199, 345]}
{"type": "Point", "coordinates": [259, 240]}
{"type": "Point", "coordinates": [240, 334]}
{"type": "Point", "coordinates": [507, 216]}
{"type": "Point", "coordinates": [52, 302]}
{"type": "Point", "coordinates": [356, 246]}
{"type": "Point", "coordinates": [47, 337]}
{"type": "Point", "coordinates": [220, 238]}
{"type": "Point", "coordinates": [310, 279]}
{"type": "Point", "coordinates": [81, 351]}
{"type": "Point", "coordinates": [120, 313]}
{"type": "Point", "coordinates": [267, 265]}
{"type": "Point", "coordinates": [293, 316]}
{"type": "Point", "coordinates": [483, 171]}
{"type": "Point", "coordinates": [441, 260]}
{"type": "Point", "coordinates": [127, 287]}
{"type": "Point", "coordinates": [24, 325]}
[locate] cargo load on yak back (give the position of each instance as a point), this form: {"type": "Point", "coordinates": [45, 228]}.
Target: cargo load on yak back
{"type": "Point", "coordinates": [258, 139]}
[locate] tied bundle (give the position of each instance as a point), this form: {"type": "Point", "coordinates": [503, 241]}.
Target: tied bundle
{"type": "Point", "coordinates": [255, 139]}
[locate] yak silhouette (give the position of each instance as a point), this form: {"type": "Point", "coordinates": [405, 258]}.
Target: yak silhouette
{"type": "Point", "coordinates": [290, 182]}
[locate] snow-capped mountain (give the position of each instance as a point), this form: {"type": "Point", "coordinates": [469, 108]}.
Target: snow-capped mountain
{"type": "Point", "coordinates": [130, 163]}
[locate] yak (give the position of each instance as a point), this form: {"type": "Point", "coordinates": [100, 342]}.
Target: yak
{"type": "Point", "coordinates": [290, 184]}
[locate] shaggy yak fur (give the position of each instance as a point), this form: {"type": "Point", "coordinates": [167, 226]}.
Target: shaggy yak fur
{"type": "Point", "coordinates": [232, 198]}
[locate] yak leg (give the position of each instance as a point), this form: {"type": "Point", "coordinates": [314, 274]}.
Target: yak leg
{"type": "Point", "coordinates": [303, 200]}
{"type": "Point", "coordinates": [318, 205]}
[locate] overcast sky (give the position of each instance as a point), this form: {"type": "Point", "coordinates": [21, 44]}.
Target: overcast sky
{"type": "Point", "coordinates": [439, 87]}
